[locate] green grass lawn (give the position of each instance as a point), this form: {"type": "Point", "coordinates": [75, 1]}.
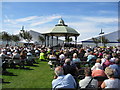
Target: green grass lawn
{"type": "Point", "coordinates": [40, 76]}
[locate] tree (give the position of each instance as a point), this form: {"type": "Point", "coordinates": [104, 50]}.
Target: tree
{"type": "Point", "coordinates": [104, 40]}
{"type": "Point", "coordinates": [96, 41]}
{"type": "Point", "coordinates": [68, 40]}
{"type": "Point", "coordinates": [118, 40]}
{"type": "Point", "coordinates": [15, 38]}
{"type": "Point", "coordinates": [41, 38]}
{"type": "Point", "coordinates": [25, 35]}
{"type": "Point", "coordinates": [6, 37]}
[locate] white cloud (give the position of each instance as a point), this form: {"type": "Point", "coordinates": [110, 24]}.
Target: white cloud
{"type": "Point", "coordinates": [101, 19]}
{"type": "Point", "coordinates": [45, 20]}
{"type": "Point", "coordinates": [91, 26]}
{"type": "Point", "coordinates": [26, 19]}
{"type": "Point", "coordinates": [107, 12]}
{"type": "Point", "coordinates": [87, 26]}
{"type": "Point", "coordinates": [7, 19]}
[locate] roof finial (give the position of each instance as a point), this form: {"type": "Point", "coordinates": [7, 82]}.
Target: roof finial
{"type": "Point", "coordinates": [101, 32]}
{"type": "Point", "coordinates": [22, 27]}
{"type": "Point", "coordinates": [61, 22]}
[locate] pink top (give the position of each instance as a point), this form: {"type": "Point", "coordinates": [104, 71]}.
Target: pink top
{"type": "Point", "coordinates": [98, 72]}
{"type": "Point", "coordinates": [106, 64]}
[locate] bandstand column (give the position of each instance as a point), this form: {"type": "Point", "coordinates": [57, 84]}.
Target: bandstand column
{"type": "Point", "coordinates": [52, 40]}
{"type": "Point", "coordinates": [45, 40]}
{"type": "Point", "coordinates": [75, 41]}
{"type": "Point", "coordinates": [48, 41]}
{"type": "Point", "coordinates": [68, 39]}
{"type": "Point", "coordinates": [57, 39]}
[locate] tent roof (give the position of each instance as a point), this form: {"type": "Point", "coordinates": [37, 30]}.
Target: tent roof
{"type": "Point", "coordinates": [24, 41]}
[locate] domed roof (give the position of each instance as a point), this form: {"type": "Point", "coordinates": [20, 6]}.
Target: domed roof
{"type": "Point", "coordinates": [62, 30]}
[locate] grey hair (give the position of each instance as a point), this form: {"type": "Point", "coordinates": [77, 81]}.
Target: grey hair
{"type": "Point", "coordinates": [67, 61]}
{"type": "Point", "coordinates": [59, 71]}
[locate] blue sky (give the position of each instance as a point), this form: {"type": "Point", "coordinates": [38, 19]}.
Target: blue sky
{"type": "Point", "coordinates": [86, 17]}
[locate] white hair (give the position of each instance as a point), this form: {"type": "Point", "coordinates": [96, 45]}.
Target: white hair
{"type": "Point", "coordinates": [59, 71]}
{"type": "Point", "coordinates": [98, 66]}
{"type": "Point", "coordinates": [62, 56]}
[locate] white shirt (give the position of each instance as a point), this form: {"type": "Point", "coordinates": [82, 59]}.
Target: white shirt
{"type": "Point", "coordinates": [64, 81]}
{"type": "Point", "coordinates": [112, 83]}
{"type": "Point", "coordinates": [84, 82]}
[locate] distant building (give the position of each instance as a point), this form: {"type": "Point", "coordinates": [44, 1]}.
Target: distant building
{"type": "Point", "coordinates": [35, 36]}
{"type": "Point", "coordinates": [112, 37]}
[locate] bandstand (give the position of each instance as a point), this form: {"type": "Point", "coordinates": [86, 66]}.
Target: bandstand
{"type": "Point", "coordinates": [61, 30]}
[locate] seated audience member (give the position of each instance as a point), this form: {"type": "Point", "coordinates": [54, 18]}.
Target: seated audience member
{"type": "Point", "coordinates": [100, 54]}
{"type": "Point", "coordinates": [16, 55]}
{"type": "Point", "coordinates": [114, 55]}
{"type": "Point", "coordinates": [103, 59]}
{"type": "Point", "coordinates": [63, 81]}
{"type": "Point", "coordinates": [52, 60]}
{"type": "Point", "coordinates": [81, 54]}
{"type": "Point", "coordinates": [16, 59]}
{"type": "Point", "coordinates": [52, 56]}
{"type": "Point", "coordinates": [62, 59]}
{"type": "Point", "coordinates": [98, 61]}
{"type": "Point", "coordinates": [116, 67]}
{"type": "Point", "coordinates": [111, 82]}
{"type": "Point", "coordinates": [30, 58]}
{"type": "Point", "coordinates": [69, 69]}
{"type": "Point", "coordinates": [50, 63]}
{"type": "Point", "coordinates": [9, 54]}
{"type": "Point", "coordinates": [75, 59]}
{"type": "Point", "coordinates": [23, 56]}
{"type": "Point", "coordinates": [37, 53]}
{"type": "Point", "coordinates": [98, 71]}
{"type": "Point", "coordinates": [99, 74]}
{"type": "Point", "coordinates": [91, 58]}
{"type": "Point", "coordinates": [84, 82]}
{"type": "Point", "coordinates": [42, 55]}
{"type": "Point", "coordinates": [107, 62]}
{"type": "Point", "coordinates": [3, 57]}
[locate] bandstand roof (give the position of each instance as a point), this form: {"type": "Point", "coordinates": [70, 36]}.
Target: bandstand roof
{"type": "Point", "coordinates": [62, 30]}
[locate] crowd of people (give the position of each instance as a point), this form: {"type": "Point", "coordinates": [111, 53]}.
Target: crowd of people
{"type": "Point", "coordinates": [101, 69]}
{"type": "Point", "coordinates": [101, 66]}
{"type": "Point", "coordinates": [12, 57]}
